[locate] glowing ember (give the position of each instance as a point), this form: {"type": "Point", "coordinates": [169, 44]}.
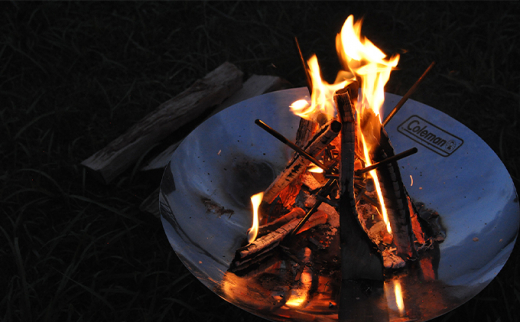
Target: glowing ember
{"type": "Point", "coordinates": [253, 231]}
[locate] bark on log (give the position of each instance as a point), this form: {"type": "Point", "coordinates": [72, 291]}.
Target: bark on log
{"type": "Point", "coordinates": [298, 165]}
{"type": "Point", "coordinates": [169, 116]}
{"type": "Point", "coordinates": [359, 259]}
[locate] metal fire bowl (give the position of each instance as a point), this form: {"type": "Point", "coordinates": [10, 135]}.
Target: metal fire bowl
{"type": "Point", "coordinates": [206, 210]}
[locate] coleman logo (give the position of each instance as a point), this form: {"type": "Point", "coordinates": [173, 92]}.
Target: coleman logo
{"type": "Point", "coordinates": [430, 136]}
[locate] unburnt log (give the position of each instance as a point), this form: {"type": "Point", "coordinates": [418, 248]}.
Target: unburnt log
{"type": "Point", "coordinates": [207, 92]}
{"type": "Point", "coordinates": [298, 164]}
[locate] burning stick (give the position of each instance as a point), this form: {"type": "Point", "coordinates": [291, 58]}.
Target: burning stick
{"type": "Point", "coordinates": [299, 164]}
{"type": "Point", "coordinates": [259, 248]}
{"type": "Point", "coordinates": [407, 95]}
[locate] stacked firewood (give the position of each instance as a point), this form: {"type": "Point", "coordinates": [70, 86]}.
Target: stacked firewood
{"type": "Point", "coordinates": [343, 198]}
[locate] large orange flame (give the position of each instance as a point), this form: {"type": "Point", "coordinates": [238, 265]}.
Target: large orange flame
{"type": "Point", "coordinates": [364, 62]}
{"type": "Point", "coordinates": [253, 232]}
{"type": "Point", "coordinates": [368, 63]}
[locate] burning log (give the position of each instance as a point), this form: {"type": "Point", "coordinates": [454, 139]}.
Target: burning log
{"type": "Point", "coordinates": [394, 193]}
{"type": "Point", "coordinates": [358, 257]}
{"type": "Point", "coordinates": [272, 226]}
{"type": "Point", "coordinates": [299, 163]}
{"type": "Point", "coordinates": [112, 160]}
{"type": "Point", "coordinates": [259, 249]}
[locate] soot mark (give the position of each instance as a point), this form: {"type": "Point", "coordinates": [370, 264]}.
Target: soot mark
{"type": "Point", "coordinates": [246, 179]}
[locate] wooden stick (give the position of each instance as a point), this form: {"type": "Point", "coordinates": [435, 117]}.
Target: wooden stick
{"type": "Point", "coordinates": [289, 143]}
{"type": "Point", "coordinates": [407, 95]}
{"type": "Point", "coordinates": [324, 191]}
{"type": "Point", "coordinates": [305, 68]}
{"type": "Point", "coordinates": [395, 197]}
{"type": "Point", "coordinates": [402, 155]}
{"type": "Point", "coordinates": [207, 92]}
{"type": "Point", "coordinates": [298, 164]}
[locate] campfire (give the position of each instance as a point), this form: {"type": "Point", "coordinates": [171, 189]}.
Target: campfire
{"type": "Point", "coordinates": [339, 210]}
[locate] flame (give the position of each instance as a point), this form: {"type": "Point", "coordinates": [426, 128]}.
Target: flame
{"type": "Point", "coordinates": [253, 231]}
{"type": "Point", "coordinates": [399, 297]}
{"type": "Point", "coordinates": [377, 185]}
{"type": "Point", "coordinates": [322, 94]}
{"type": "Point", "coordinates": [314, 169]}
{"type": "Point", "coordinates": [368, 63]}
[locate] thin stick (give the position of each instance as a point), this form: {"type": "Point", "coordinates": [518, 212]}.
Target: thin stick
{"type": "Point", "coordinates": [307, 75]}
{"type": "Point", "coordinates": [404, 154]}
{"type": "Point", "coordinates": [407, 95]}
{"type": "Point", "coordinates": [289, 143]}
{"type": "Point", "coordinates": [325, 190]}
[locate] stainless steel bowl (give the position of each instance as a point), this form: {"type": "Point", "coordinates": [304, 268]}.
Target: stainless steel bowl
{"type": "Point", "coordinates": [205, 206]}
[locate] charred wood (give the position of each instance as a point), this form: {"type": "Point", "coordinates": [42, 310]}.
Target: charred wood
{"type": "Point", "coordinates": [360, 259]}
{"type": "Point", "coordinates": [298, 165]}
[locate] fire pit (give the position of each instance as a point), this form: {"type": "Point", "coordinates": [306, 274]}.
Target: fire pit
{"type": "Point", "coordinates": [206, 210]}
{"type": "Point", "coordinates": [355, 242]}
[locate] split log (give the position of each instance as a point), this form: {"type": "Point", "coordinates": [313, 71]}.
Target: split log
{"type": "Point", "coordinates": [209, 91]}
{"type": "Point", "coordinates": [394, 192]}
{"type": "Point", "coordinates": [254, 86]}
{"type": "Point", "coordinates": [259, 248]}
{"type": "Point", "coordinates": [270, 240]}
{"type": "Point", "coordinates": [359, 258]}
{"type": "Point", "coordinates": [361, 264]}
{"type": "Point", "coordinates": [298, 165]}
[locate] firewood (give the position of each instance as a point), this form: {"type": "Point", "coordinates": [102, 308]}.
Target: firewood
{"type": "Point", "coordinates": [272, 226]}
{"type": "Point", "coordinates": [273, 239]}
{"type": "Point", "coordinates": [118, 155]}
{"type": "Point", "coordinates": [359, 260]}
{"type": "Point", "coordinates": [395, 197]}
{"type": "Point", "coordinates": [270, 240]}
{"type": "Point", "coordinates": [298, 165]}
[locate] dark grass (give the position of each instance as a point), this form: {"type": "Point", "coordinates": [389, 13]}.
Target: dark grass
{"type": "Point", "coordinates": [73, 76]}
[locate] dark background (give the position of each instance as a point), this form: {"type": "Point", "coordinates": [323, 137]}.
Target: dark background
{"type": "Point", "coordinates": [74, 76]}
